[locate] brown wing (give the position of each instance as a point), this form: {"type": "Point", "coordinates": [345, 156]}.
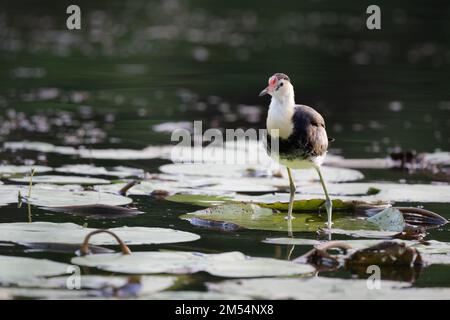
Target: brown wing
{"type": "Point", "coordinates": [309, 131]}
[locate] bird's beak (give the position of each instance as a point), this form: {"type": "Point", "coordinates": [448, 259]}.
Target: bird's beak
{"type": "Point", "coordinates": [264, 92]}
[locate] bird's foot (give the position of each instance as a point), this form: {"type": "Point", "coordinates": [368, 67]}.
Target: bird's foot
{"type": "Point", "coordinates": [289, 217]}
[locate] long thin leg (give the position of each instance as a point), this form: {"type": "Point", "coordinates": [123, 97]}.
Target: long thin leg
{"type": "Point", "coordinates": [292, 195]}
{"type": "Point", "coordinates": [328, 203]}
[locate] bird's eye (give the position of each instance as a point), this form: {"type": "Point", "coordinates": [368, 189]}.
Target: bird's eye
{"type": "Point", "coordinates": [281, 84]}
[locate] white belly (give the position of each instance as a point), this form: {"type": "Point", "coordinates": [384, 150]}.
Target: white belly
{"type": "Point", "coordinates": [302, 163]}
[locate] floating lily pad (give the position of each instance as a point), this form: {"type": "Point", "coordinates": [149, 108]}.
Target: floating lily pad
{"type": "Point", "coordinates": [154, 187]}
{"type": "Point", "coordinates": [238, 170]}
{"type": "Point", "coordinates": [52, 186]}
{"type": "Point", "coordinates": [200, 199]}
{"type": "Point", "coordinates": [33, 293]}
{"type": "Point", "coordinates": [98, 211]}
{"type": "Point", "coordinates": [390, 219]}
{"type": "Point", "coordinates": [8, 194]}
{"type": "Point", "coordinates": [91, 286]}
{"type": "Point", "coordinates": [374, 163]}
{"type": "Point", "coordinates": [276, 201]}
{"type": "Point", "coordinates": [20, 268]}
{"type": "Point", "coordinates": [387, 191]}
{"type": "Point", "coordinates": [252, 216]}
{"type": "Point", "coordinates": [431, 247]}
{"type": "Point", "coordinates": [441, 158]}
{"type": "Point", "coordinates": [193, 295]}
{"type": "Point", "coordinates": [61, 198]}
{"type": "Point", "coordinates": [11, 169]}
{"type": "Point", "coordinates": [22, 232]}
{"type": "Point", "coordinates": [150, 152]}
{"type": "Point", "coordinates": [92, 170]}
{"type": "Point", "coordinates": [229, 264]}
{"type": "Point", "coordinates": [62, 180]}
{"type": "Point", "coordinates": [39, 146]}
{"type": "Point", "coordinates": [320, 288]}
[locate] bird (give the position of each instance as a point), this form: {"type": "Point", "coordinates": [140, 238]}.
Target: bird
{"type": "Point", "coordinates": [300, 133]}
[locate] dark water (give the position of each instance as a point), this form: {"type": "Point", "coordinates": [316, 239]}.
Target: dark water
{"type": "Point", "coordinates": [139, 63]}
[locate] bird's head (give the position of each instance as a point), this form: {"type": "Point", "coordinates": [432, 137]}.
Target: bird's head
{"type": "Point", "coordinates": [279, 86]}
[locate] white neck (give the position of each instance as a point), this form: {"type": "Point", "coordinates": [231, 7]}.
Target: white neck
{"type": "Point", "coordinates": [280, 114]}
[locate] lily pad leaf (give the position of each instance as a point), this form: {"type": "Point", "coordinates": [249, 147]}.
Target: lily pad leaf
{"type": "Point", "coordinates": [22, 232]}
{"type": "Point", "coordinates": [427, 248]}
{"type": "Point", "coordinates": [229, 264]}
{"type": "Point", "coordinates": [12, 169]}
{"type": "Point", "coordinates": [91, 286]}
{"type": "Point", "coordinates": [9, 194]}
{"type": "Point", "coordinates": [39, 147]}
{"type": "Point", "coordinates": [276, 201]}
{"type": "Point", "coordinates": [252, 216]}
{"type": "Point", "coordinates": [390, 219]}
{"type": "Point", "coordinates": [98, 211]}
{"type": "Point", "coordinates": [200, 199]}
{"type": "Point", "coordinates": [243, 170]}
{"type": "Point", "coordinates": [319, 288]}
{"type": "Point", "coordinates": [193, 295]}
{"type": "Point", "coordinates": [61, 198]}
{"type": "Point", "coordinates": [86, 169]}
{"type": "Point", "coordinates": [398, 192]}
{"type": "Point", "coordinates": [21, 268]}
{"type": "Point", "coordinates": [62, 180]}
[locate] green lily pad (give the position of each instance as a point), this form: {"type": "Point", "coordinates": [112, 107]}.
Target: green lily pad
{"type": "Point", "coordinates": [200, 199]}
{"type": "Point", "coordinates": [229, 264]}
{"type": "Point", "coordinates": [276, 201]}
{"type": "Point", "coordinates": [252, 216]}
{"type": "Point", "coordinates": [62, 180]}
{"type": "Point", "coordinates": [319, 288]}
{"type": "Point", "coordinates": [37, 232]}
{"type": "Point", "coordinates": [11, 169]}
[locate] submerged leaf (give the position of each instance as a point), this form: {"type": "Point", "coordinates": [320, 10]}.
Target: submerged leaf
{"type": "Point", "coordinates": [229, 264]}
